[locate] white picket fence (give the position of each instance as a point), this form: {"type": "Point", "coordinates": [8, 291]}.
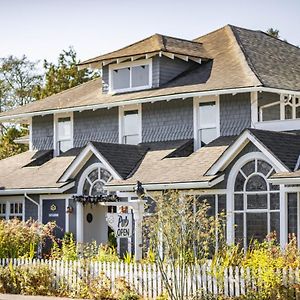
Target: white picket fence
{"type": "Point", "coordinates": [146, 279]}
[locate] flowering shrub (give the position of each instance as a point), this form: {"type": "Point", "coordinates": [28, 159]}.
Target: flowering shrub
{"type": "Point", "coordinates": [20, 239]}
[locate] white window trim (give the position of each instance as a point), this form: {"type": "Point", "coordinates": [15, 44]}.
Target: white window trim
{"type": "Point", "coordinates": [122, 110]}
{"type": "Point", "coordinates": [55, 130]}
{"type": "Point", "coordinates": [129, 64]}
{"type": "Point", "coordinates": [10, 200]}
{"type": "Point", "coordinates": [196, 119]}
{"type": "Point", "coordinates": [30, 134]}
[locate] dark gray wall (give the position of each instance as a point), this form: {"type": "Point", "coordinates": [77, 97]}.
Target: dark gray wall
{"type": "Point", "coordinates": [31, 209]}
{"type": "Point", "coordinates": [105, 81]}
{"type": "Point", "coordinates": [235, 113]}
{"type": "Point", "coordinates": [42, 132]}
{"type": "Point", "coordinates": [100, 125]}
{"type": "Point", "coordinates": [272, 113]}
{"type": "Point", "coordinates": [162, 121]}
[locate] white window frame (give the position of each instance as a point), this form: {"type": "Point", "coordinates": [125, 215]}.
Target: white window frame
{"type": "Point", "coordinates": [113, 67]}
{"type": "Point", "coordinates": [8, 202]}
{"type": "Point", "coordinates": [196, 116]}
{"type": "Point", "coordinates": [55, 131]}
{"type": "Point", "coordinates": [122, 111]}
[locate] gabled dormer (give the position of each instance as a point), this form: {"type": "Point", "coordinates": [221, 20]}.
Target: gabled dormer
{"type": "Point", "coordinates": [150, 63]}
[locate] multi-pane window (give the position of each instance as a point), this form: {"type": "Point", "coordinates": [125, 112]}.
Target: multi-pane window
{"type": "Point", "coordinates": [94, 182]}
{"type": "Point", "coordinates": [131, 124]}
{"type": "Point", "coordinates": [285, 109]}
{"type": "Point", "coordinates": [64, 134]}
{"type": "Point", "coordinates": [132, 76]}
{"type": "Point", "coordinates": [11, 210]}
{"type": "Point", "coordinates": [256, 203]}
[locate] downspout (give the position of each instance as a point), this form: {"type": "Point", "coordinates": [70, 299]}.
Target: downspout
{"type": "Point", "coordinates": [37, 204]}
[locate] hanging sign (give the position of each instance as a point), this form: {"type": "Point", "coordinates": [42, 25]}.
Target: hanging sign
{"type": "Point", "coordinates": [120, 223]}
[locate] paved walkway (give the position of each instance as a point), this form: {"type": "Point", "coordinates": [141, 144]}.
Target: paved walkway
{"type": "Point", "coordinates": [20, 297]}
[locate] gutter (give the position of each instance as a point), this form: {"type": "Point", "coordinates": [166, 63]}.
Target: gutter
{"type": "Point", "coordinates": [149, 99]}
{"type": "Point", "coordinates": [166, 186]}
{"type": "Point", "coordinates": [38, 190]}
{"type": "Point", "coordinates": [284, 180]}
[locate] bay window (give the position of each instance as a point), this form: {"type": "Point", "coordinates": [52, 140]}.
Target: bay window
{"type": "Point", "coordinates": [130, 76]}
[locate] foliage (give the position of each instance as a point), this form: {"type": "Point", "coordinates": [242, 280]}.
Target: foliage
{"type": "Point", "coordinates": [63, 75]}
{"type": "Point", "coordinates": [26, 280]}
{"type": "Point", "coordinates": [7, 145]}
{"type": "Point", "coordinates": [182, 237]}
{"type": "Point", "coordinates": [68, 250]}
{"type": "Point", "coordinates": [20, 239]}
{"type": "Point", "coordinates": [18, 81]}
{"type": "Point", "coordinates": [273, 32]}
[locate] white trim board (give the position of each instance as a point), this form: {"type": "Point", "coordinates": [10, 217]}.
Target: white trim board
{"type": "Point", "coordinates": [233, 150]}
{"type": "Point", "coordinates": [25, 116]}
{"type": "Point", "coordinates": [82, 158]}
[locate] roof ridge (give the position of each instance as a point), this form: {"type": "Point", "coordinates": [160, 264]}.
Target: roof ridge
{"type": "Point", "coordinates": [241, 46]}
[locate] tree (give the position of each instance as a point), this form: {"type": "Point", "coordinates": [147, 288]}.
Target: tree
{"type": "Point", "coordinates": [19, 79]}
{"type": "Point", "coordinates": [7, 145]}
{"type": "Point", "coordinates": [182, 237]}
{"type": "Point", "coordinates": [63, 75]}
{"type": "Point", "coordinates": [273, 32]}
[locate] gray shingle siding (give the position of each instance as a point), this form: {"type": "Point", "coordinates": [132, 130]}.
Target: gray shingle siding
{"type": "Point", "coordinates": [162, 121]}
{"type": "Point", "coordinates": [235, 113]}
{"type": "Point", "coordinates": [155, 71]}
{"type": "Point", "coordinates": [42, 132]}
{"type": "Point", "coordinates": [99, 126]}
{"type": "Point", "coordinates": [105, 79]}
{"type": "Point", "coordinates": [31, 209]}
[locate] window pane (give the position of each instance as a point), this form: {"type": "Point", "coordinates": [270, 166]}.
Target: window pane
{"type": "Point", "coordinates": [131, 122]}
{"type": "Point", "coordinates": [263, 167]}
{"type": "Point", "coordinates": [105, 175]}
{"type": "Point", "coordinates": [275, 223]}
{"type": "Point", "coordinates": [292, 213]}
{"type": "Point", "coordinates": [274, 201]}
{"type": "Point", "coordinates": [64, 146]}
{"type": "Point", "coordinates": [249, 168]}
{"type": "Point", "coordinates": [238, 202]}
{"type": "Point", "coordinates": [288, 112]}
{"type": "Point", "coordinates": [94, 175]}
{"type": "Point", "coordinates": [140, 76]}
{"type": "Point", "coordinates": [256, 183]}
{"type": "Point", "coordinates": [207, 114]}
{"type": "Point", "coordinates": [97, 188]}
{"type": "Point", "coordinates": [298, 112]}
{"type": "Point", "coordinates": [221, 203]}
{"type": "Point", "coordinates": [257, 201]}
{"type": "Point", "coordinates": [86, 188]}
{"type": "Point", "coordinates": [121, 78]}
{"type": "Point", "coordinates": [239, 182]}
{"type": "Point", "coordinates": [257, 227]}
{"type": "Point", "coordinates": [207, 135]}
{"type": "Point", "coordinates": [131, 139]}
{"type": "Point", "coordinates": [239, 228]}
{"type": "Point", "coordinates": [64, 128]}
{"type": "Point", "coordinates": [271, 113]}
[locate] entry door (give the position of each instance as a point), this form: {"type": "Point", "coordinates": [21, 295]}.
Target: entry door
{"type": "Point", "coordinates": [55, 211]}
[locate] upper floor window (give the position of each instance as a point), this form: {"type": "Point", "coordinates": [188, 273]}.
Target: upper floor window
{"type": "Point", "coordinates": [206, 120]}
{"type": "Point", "coordinates": [63, 133]}
{"type": "Point", "coordinates": [130, 76]}
{"type": "Point", "coordinates": [130, 125]}
{"type": "Point", "coordinates": [285, 108]}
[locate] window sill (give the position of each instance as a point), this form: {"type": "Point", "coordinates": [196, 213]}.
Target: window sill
{"type": "Point", "coordinates": [278, 125]}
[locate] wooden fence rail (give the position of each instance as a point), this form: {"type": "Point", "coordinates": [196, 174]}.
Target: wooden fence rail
{"type": "Point", "coordinates": [147, 279]}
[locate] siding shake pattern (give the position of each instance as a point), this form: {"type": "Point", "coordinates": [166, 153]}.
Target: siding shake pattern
{"type": "Point", "coordinates": [42, 132]}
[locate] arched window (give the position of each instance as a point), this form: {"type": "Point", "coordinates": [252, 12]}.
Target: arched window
{"type": "Point", "coordinates": [256, 203]}
{"type": "Point", "coordinates": [95, 180]}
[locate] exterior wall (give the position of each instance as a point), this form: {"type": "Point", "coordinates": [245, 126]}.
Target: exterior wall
{"type": "Point", "coordinates": [235, 113]}
{"type": "Point", "coordinates": [31, 209]}
{"type": "Point", "coordinates": [162, 121]}
{"type": "Point", "coordinates": [105, 81]}
{"type": "Point", "coordinates": [99, 126]}
{"type": "Point", "coordinates": [42, 132]}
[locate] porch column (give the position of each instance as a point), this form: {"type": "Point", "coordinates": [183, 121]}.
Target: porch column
{"type": "Point", "coordinates": [138, 213]}
{"type": "Point", "coordinates": [79, 222]}
{"type": "Point", "coordinates": [283, 218]}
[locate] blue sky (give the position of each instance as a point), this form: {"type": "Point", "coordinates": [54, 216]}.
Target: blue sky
{"type": "Point", "coordinates": [42, 28]}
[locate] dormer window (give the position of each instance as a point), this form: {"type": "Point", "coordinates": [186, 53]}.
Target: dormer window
{"type": "Point", "coordinates": [63, 137]}
{"type": "Point", "coordinates": [131, 76]}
